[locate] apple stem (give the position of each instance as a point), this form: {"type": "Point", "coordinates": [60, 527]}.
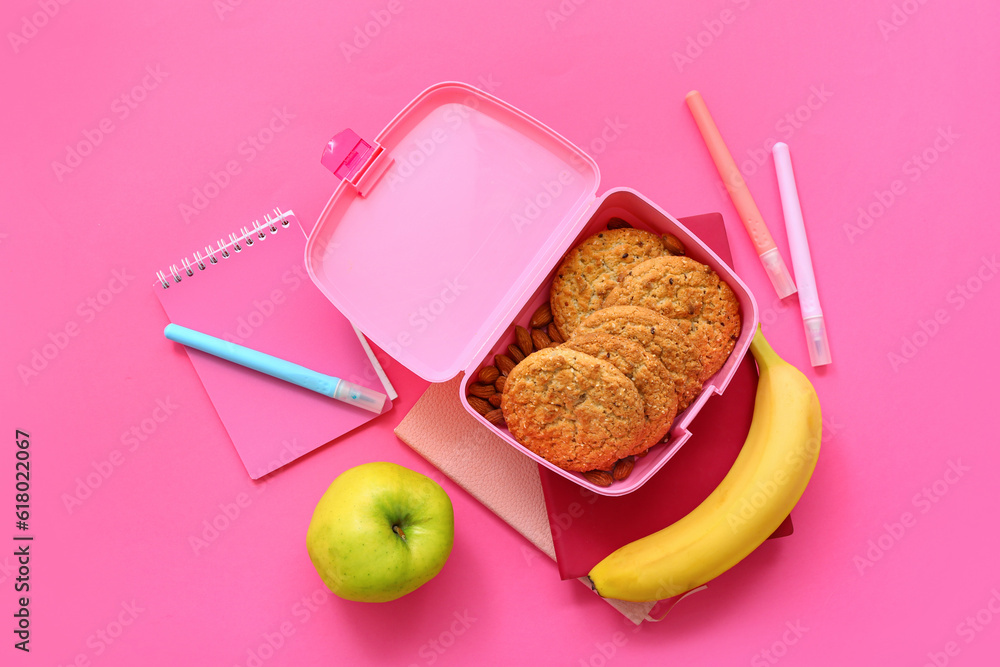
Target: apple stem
{"type": "Point", "coordinates": [399, 531]}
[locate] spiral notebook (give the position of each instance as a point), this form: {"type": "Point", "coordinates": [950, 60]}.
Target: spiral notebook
{"type": "Point", "coordinates": [252, 289]}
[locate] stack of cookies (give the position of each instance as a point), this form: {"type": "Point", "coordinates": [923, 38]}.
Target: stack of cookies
{"type": "Point", "coordinates": [644, 327]}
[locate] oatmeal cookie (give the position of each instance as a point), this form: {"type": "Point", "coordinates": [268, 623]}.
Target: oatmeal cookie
{"type": "Point", "coordinates": [679, 344]}
{"type": "Point", "coordinates": [682, 288]}
{"type": "Point", "coordinates": [591, 270]}
{"type": "Point", "coordinates": [574, 410]}
{"type": "Point", "coordinates": [647, 373]}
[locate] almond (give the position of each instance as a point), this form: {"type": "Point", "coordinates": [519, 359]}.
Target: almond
{"type": "Point", "coordinates": [597, 477]}
{"type": "Point", "coordinates": [495, 417]}
{"type": "Point", "coordinates": [673, 245]}
{"type": "Point", "coordinates": [504, 363]}
{"type": "Point", "coordinates": [523, 339]}
{"type": "Point", "coordinates": [479, 405]}
{"type": "Point", "coordinates": [500, 383]}
{"type": "Point", "coordinates": [540, 339]}
{"type": "Point", "coordinates": [623, 468]}
{"type": "Point", "coordinates": [488, 374]}
{"type": "Point", "coordinates": [541, 317]}
{"type": "Point", "coordinates": [514, 352]}
{"type": "Point", "coordinates": [495, 400]}
{"type": "Point", "coordinates": [481, 390]}
{"type": "Point", "coordinates": [554, 333]}
{"type": "Point", "coordinates": [617, 223]}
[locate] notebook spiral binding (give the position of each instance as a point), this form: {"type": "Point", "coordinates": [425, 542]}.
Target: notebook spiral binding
{"type": "Point", "coordinates": [257, 232]}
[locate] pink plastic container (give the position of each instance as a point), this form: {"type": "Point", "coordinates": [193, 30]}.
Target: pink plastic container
{"type": "Point", "coordinates": [447, 228]}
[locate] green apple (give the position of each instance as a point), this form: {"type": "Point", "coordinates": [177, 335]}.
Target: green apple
{"type": "Point", "coordinates": [380, 531]}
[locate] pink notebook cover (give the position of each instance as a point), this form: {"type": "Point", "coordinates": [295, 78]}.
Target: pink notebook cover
{"type": "Point", "coordinates": [587, 527]}
{"type": "Point", "coordinates": [262, 298]}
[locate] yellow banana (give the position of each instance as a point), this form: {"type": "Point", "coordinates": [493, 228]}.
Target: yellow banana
{"type": "Point", "coordinates": [764, 484]}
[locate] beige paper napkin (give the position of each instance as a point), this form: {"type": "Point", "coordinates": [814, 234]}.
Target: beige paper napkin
{"type": "Point", "coordinates": [501, 478]}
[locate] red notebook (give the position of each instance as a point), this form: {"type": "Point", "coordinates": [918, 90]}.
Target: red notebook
{"type": "Point", "coordinates": [587, 527]}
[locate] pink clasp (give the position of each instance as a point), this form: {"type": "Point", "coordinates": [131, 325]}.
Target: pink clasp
{"type": "Point", "coordinates": [346, 154]}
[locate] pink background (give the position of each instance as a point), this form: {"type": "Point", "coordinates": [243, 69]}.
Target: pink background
{"type": "Point", "coordinates": [894, 553]}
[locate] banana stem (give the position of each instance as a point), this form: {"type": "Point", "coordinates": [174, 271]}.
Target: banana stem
{"type": "Point", "coordinates": [762, 350]}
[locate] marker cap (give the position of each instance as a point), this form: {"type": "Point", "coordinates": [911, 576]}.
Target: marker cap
{"type": "Point", "coordinates": [819, 346]}
{"type": "Point", "coordinates": [355, 394]}
{"type": "Point", "coordinates": [778, 273]}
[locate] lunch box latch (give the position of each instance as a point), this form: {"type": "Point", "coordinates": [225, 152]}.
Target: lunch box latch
{"type": "Point", "coordinates": [352, 158]}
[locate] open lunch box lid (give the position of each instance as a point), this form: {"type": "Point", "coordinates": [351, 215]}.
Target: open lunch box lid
{"type": "Point", "coordinates": [441, 225]}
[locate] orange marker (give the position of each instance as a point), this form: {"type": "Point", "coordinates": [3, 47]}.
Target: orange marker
{"type": "Point", "coordinates": [745, 205]}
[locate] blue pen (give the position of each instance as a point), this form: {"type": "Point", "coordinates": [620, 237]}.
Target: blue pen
{"type": "Point", "coordinates": [327, 385]}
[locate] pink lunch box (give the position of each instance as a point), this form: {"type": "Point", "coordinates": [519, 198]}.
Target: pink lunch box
{"type": "Point", "coordinates": [446, 229]}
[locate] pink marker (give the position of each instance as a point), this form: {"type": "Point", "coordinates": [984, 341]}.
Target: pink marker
{"type": "Point", "coordinates": [775, 267]}
{"type": "Point", "coordinates": [812, 314]}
